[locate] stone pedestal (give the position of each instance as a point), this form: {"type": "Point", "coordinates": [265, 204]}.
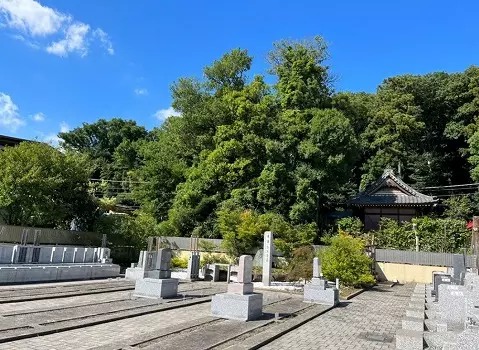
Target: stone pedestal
{"type": "Point", "coordinates": [237, 307]}
{"type": "Point", "coordinates": [156, 288]}
{"type": "Point", "coordinates": [317, 294]}
{"type": "Point", "coordinates": [134, 273]}
{"type": "Point", "coordinates": [212, 272]}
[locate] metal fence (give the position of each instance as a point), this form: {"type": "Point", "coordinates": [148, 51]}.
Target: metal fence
{"type": "Point", "coordinates": [27, 235]}
{"type": "Point", "coordinates": [420, 258]}
{"type": "Point", "coordinates": [381, 255]}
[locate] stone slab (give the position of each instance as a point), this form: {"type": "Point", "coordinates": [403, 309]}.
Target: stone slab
{"type": "Point", "coordinates": [415, 313]}
{"type": "Point", "coordinates": [409, 340]}
{"type": "Point", "coordinates": [318, 295]}
{"type": "Point", "coordinates": [157, 274]}
{"type": "Point", "coordinates": [237, 307]}
{"type": "Point", "coordinates": [156, 288]}
{"type": "Point", "coordinates": [413, 324]}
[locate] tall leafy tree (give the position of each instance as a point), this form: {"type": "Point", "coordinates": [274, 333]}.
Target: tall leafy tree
{"type": "Point", "coordinates": [41, 186]}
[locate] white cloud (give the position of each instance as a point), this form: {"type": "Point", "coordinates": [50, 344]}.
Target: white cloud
{"type": "Point", "coordinates": [105, 40]}
{"type": "Point", "coordinates": [163, 114]}
{"type": "Point", "coordinates": [34, 20]}
{"type": "Point", "coordinates": [38, 117]}
{"type": "Point", "coordinates": [31, 17]}
{"type": "Point", "coordinates": [141, 91]}
{"type": "Point", "coordinates": [74, 41]}
{"type": "Point", "coordinates": [64, 127]}
{"type": "Point", "coordinates": [53, 139]}
{"type": "Point", "coordinates": [30, 43]}
{"type": "Point", "coordinates": [9, 117]}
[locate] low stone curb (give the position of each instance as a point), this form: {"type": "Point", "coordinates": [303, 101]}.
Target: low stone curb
{"type": "Point", "coordinates": [352, 295]}
{"type": "Point", "coordinates": [274, 333]}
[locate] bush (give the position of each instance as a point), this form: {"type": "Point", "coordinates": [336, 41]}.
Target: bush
{"type": "Point", "coordinates": [352, 226]}
{"type": "Point", "coordinates": [180, 262]}
{"type": "Point", "coordinates": [214, 259]}
{"type": "Point", "coordinates": [345, 259]}
{"type": "Point", "coordinates": [435, 235]}
{"type": "Point", "coordinates": [301, 264]}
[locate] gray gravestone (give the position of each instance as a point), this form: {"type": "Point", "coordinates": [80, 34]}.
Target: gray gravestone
{"type": "Point", "coordinates": [267, 257]}
{"type": "Point", "coordinates": [317, 291]}
{"type": "Point", "coordinates": [438, 280]}
{"type": "Point", "coordinates": [452, 306]}
{"type": "Point", "coordinates": [459, 267]}
{"type": "Point", "coordinates": [193, 271]}
{"type": "Point", "coordinates": [157, 282]}
{"type": "Point", "coordinates": [239, 303]}
{"type": "Point", "coordinates": [316, 268]}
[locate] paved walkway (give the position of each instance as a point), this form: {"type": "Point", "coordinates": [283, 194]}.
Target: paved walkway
{"type": "Point", "coordinates": [368, 321]}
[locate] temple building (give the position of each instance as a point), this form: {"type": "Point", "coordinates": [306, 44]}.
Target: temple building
{"type": "Point", "coordinates": [390, 197]}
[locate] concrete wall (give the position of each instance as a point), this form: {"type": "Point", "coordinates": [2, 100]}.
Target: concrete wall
{"type": "Point", "coordinates": [39, 273]}
{"type": "Point", "coordinates": [405, 273]}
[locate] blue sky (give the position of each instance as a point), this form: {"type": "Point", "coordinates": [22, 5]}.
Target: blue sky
{"type": "Point", "coordinates": [68, 62]}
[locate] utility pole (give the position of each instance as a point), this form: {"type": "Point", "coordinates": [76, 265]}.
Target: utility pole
{"type": "Point", "coordinates": [475, 239]}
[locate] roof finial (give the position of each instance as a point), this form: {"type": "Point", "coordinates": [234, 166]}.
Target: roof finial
{"type": "Point", "coordinates": [388, 171]}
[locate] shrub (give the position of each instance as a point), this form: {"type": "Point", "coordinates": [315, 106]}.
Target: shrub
{"type": "Point", "coordinates": [301, 264]}
{"type": "Point", "coordinates": [180, 262]}
{"type": "Point", "coordinates": [435, 235]}
{"type": "Point", "coordinates": [352, 226]}
{"type": "Point", "coordinates": [209, 258]}
{"type": "Point", "coordinates": [241, 230]}
{"type": "Point", "coordinates": [345, 259]}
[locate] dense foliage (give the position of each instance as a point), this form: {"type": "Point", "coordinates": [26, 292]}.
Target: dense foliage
{"type": "Point", "coordinates": [345, 259]}
{"type": "Point", "coordinates": [40, 186]}
{"type": "Point", "coordinates": [245, 155]}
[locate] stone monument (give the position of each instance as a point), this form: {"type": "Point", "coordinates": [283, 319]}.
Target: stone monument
{"type": "Point", "coordinates": [318, 291]}
{"type": "Point", "coordinates": [157, 282]}
{"type": "Point", "coordinates": [193, 273]}
{"type": "Point", "coordinates": [239, 302]}
{"type": "Point", "coordinates": [267, 257]}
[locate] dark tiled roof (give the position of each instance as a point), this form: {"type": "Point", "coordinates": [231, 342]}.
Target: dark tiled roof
{"type": "Point", "coordinates": [10, 141]}
{"type": "Point", "coordinates": [390, 190]}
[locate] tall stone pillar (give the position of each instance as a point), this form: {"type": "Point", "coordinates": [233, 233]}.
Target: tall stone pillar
{"type": "Point", "coordinates": [267, 257]}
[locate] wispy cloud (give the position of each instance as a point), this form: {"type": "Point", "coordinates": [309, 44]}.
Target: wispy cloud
{"type": "Point", "coordinates": [67, 35]}
{"type": "Point", "coordinates": [141, 91]}
{"type": "Point", "coordinates": [164, 114]}
{"type": "Point", "coordinates": [53, 139]}
{"type": "Point", "coordinates": [105, 40]}
{"type": "Point", "coordinates": [75, 41]}
{"type": "Point", "coordinates": [64, 127]}
{"type": "Point", "coordinates": [38, 117]}
{"type": "Point", "coordinates": [9, 116]}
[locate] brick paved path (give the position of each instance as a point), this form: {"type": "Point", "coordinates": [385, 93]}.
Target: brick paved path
{"type": "Point", "coordinates": [103, 334]}
{"type": "Point", "coordinates": [368, 321]}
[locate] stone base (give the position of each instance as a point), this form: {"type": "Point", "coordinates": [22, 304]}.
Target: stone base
{"type": "Point", "coordinates": [413, 324]}
{"type": "Point", "coordinates": [134, 273]}
{"type": "Point", "coordinates": [240, 288]}
{"type": "Point", "coordinates": [237, 307]}
{"type": "Point", "coordinates": [156, 288]}
{"type": "Point", "coordinates": [316, 294]}
{"type": "Point", "coordinates": [158, 274]}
